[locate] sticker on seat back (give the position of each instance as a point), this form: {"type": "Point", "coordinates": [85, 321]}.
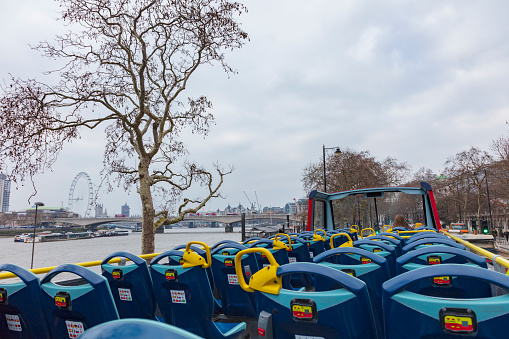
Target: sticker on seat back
{"type": "Point", "coordinates": [458, 320]}
{"type": "Point", "coordinates": [13, 322]}
{"type": "Point", "coordinates": [365, 260]}
{"type": "Point", "coordinates": [307, 337]}
{"type": "Point", "coordinates": [434, 259]}
{"type": "Point", "coordinates": [125, 294]}
{"type": "Point", "coordinates": [292, 260]}
{"type": "Point", "coordinates": [232, 279]}
{"type": "Point", "coordinates": [178, 297]}
{"type": "Point", "coordinates": [444, 281]}
{"type": "Point", "coordinates": [74, 328]}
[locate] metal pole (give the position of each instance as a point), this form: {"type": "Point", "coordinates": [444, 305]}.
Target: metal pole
{"type": "Point", "coordinates": [489, 203]}
{"type": "Point", "coordinates": [37, 204]}
{"type": "Point", "coordinates": [324, 174]}
{"type": "Point", "coordinates": [287, 223]}
{"type": "Point", "coordinates": [243, 223]}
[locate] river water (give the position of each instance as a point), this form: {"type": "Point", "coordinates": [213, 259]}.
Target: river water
{"type": "Point", "coordinates": [82, 250]}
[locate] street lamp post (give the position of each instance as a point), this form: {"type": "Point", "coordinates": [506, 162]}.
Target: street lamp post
{"type": "Point", "coordinates": [488, 196]}
{"type": "Point", "coordinates": [37, 204]}
{"type": "Point", "coordinates": [337, 152]}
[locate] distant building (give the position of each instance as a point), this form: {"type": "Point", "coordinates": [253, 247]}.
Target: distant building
{"type": "Point", "coordinates": [125, 210]}
{"type": "Point", "coordinates": [100, 211]}
{"type": "Point", "coordinates": [5, 192]}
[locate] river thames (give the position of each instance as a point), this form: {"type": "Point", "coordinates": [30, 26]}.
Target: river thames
{"type": "Point", "coordinates": [74, 251]}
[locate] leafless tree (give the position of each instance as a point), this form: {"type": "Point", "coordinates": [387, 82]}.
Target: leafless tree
{"type": "Point", "coordinates": [126, 66]}
{"type": "Point", "coordinates": [467, 169]}
{"type": "Point", "coordinates": [352, 170]}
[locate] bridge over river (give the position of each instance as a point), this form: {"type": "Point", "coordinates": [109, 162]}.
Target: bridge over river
{"type": "Point", "coordinates": [228, 220]}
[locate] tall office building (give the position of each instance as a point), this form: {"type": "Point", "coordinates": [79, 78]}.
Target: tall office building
{"type": "Point", "coordinates": [125, 210]}
{"type": "Point", "coordinates": [5, 192]}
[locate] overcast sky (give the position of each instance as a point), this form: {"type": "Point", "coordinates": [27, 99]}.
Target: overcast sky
{"type": "Point", "coordinates": [415, 80]}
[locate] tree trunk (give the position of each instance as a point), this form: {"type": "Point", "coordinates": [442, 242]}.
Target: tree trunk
{"type": "Point", "coordinates": [147, 206]}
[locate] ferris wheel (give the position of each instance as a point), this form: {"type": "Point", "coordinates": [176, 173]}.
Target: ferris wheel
{"type": "Point", "coordinates": [81, 195]}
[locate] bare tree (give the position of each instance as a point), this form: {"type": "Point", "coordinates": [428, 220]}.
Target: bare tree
{"type": "Point", "coordinates": [126, 66]}
{"type": "Point", "coordinates": [467, 170]}
{"type": "Point", "coordinates": [352, 170]}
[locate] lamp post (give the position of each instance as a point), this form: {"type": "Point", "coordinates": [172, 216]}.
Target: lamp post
{"type": "Point", "coordinates": [488, 196]}
{"type": "Point", "coordinates": [37, 204]}
{"type": "Point", "coordinates": [337, 152]}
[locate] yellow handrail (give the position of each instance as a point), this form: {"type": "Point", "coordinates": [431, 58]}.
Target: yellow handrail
{"type": "Point", "coordinates": [43, 270]}
{"type": "Point", "coordinates": [500, 260]}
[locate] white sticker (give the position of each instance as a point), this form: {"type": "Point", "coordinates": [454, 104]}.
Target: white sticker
{"type": "Point", "coordinates": [307, 337]}
{"type": "Point", "coordinates": [311, 255]}
{"type": "Point", "coordinates": [125, 294]}
{"type": "Point", "coordinates": [178, 297]}
{"type": "Point", "coordinates": [13, 322]}
{"type": "Point", "coordinates": [74, 328]}
{"type": "Point", "coordinates": [232, 279]}
{"type": "Point", "coordinates": [292, 260]}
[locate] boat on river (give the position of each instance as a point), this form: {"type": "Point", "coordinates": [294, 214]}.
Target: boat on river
{"type": "Point", "coordinates": [48, 236]}
{"type": "Point", "coordinates": [350, 274]}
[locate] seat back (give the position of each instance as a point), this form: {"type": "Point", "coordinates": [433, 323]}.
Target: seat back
{"type": "Point", "coordinates": [393, 235]}
{"type": "Point", "coordinates": [426, 316]}
{"type": "Point", "coordinates": [433, 255]}
{"type": "Point", "coordinates": [20, 308]}
{"type": "Point", "coordinates": [184, 295]}
{"type": "Point", "coordinates": [426, 235]}
{"type": "Point", "coordinates": [429, 242]}
{"type": "Point", "coordinates": [136, 329]}
{"type": "Point", "coordinates": [234, 300]}
{"type": "Point", "coordinates": [280, 255]}
{"type": "Point", "coordinates": [342, 312]}
{"type": "Point", "coordinates": [315, 247]}
{"type": "Point", "coordinates": [397, 244]}
{"type": "Point", "coordinates": [384, 250]}
{"type": "Point", "coordinates": [70, 310]}
{"type": "Point", "coordinates": [131, 286]}
{"type": "Point", "coordinates": [374, 273]}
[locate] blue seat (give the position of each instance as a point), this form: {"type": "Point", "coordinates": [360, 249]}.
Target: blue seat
{"type": "Point", "coordinates": [279, 254]}
{"type": "Point", "coordinates": [426, 228]}
{"type": "Point", "coordinates": [393, 235]}
{"type": "Point", "coordinates": [412, 315]}
{"type": "Point", "coordinates": [70, 310]}
{"type": "Point", "coordinates": [234, 300]}
{"type": "Point", "coordinates": [389, 241]}
{"type": "Point", "coordinates": [315, 247]}
{"type": "Point", "coordinates": [374, 274]}
{"type": "Point", "coordinates": [217, 303]}
{"type": "Point", "coordinates": [384, 250]}
{"type": "Point", "coordinates": [222, 242]}
{"type": "Point", "coordinates": [342, 312]}
{"type": "Point", "coordinates": [432, 255]}
{"type": "Point", "coordinates": [136, 329]}
{"type": "Point", "coordinates": [20, 307]}
{"type": "Point", "coordinates": [185, 298]}
{"type": "Point", "coordinates": [431, 242]}
{"type": "Point", "coordinates": [131, 286]}
{"type": "Point", "coordinates": [425, 235]}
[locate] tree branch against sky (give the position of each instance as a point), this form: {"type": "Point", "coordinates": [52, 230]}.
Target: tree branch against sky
{"type": "Point", "coordinates": [126, 66]}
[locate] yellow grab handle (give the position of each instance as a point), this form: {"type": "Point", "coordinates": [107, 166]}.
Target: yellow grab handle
{"type": "Point", "coordinates": [349, 243]}
{"type": "Point", "coordinates": [192, 259]}
{"type": "Point", "coordinates": [354, 230]}
{"type": "Point", "coordinates": [317, 237]}
{"type": "Point", "coordinates": [278, 244]}
{"type": "Point", "coordinates": [386, 228]}
{"type": "Point", "coordinates": [369, 235]}
{"type": "Point", "coordinates": [265, 280]}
